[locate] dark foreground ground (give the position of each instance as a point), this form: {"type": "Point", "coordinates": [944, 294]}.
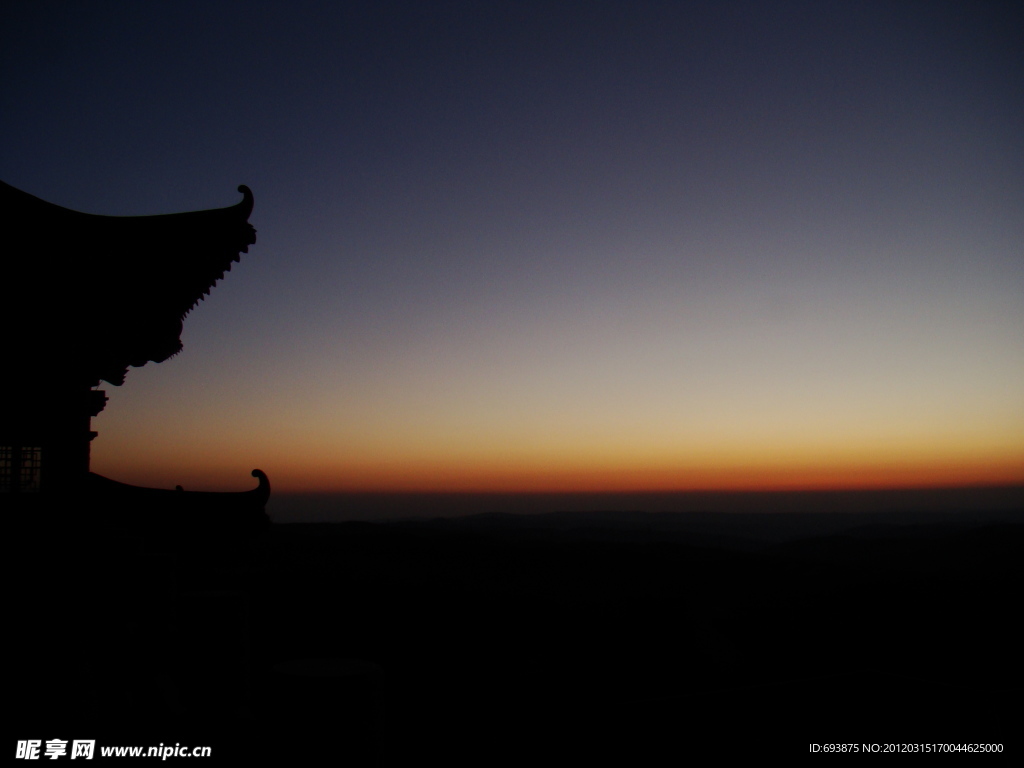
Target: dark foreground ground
{"type": "Point", "coordinates": [541, 640]}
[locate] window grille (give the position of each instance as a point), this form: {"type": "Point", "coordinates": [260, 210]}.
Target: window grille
{"type": "Point", "coordinates": [20, 468]}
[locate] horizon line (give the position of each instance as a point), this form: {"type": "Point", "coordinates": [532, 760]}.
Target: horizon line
{"type": "Point", "coordinates": [977, 486]}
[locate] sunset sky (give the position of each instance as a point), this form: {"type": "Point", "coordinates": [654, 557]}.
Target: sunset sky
{"type": "Point", "coordinates": [556, 245]}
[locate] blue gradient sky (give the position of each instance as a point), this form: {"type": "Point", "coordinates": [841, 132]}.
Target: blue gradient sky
{"type": "Point", "coordinates": [555, 245]}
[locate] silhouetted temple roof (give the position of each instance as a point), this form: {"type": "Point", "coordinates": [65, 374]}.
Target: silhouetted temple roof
{"type": "Point", "coordinates": [93, 294]}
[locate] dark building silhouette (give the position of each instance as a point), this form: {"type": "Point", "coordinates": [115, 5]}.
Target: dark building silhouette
{"type": "Point", "coordinates": [84, 298]}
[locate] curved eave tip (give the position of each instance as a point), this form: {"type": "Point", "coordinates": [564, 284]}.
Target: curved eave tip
{"type": "Point", "coordinates": [247, 199]}
{"type": "Point", "coordinates": [263, 489]}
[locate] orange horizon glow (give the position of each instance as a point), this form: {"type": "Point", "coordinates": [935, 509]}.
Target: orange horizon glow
{"type": "Point", "coordinates": [381, 477]}
{"type": "Point", "coordinates": [405, 433]}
